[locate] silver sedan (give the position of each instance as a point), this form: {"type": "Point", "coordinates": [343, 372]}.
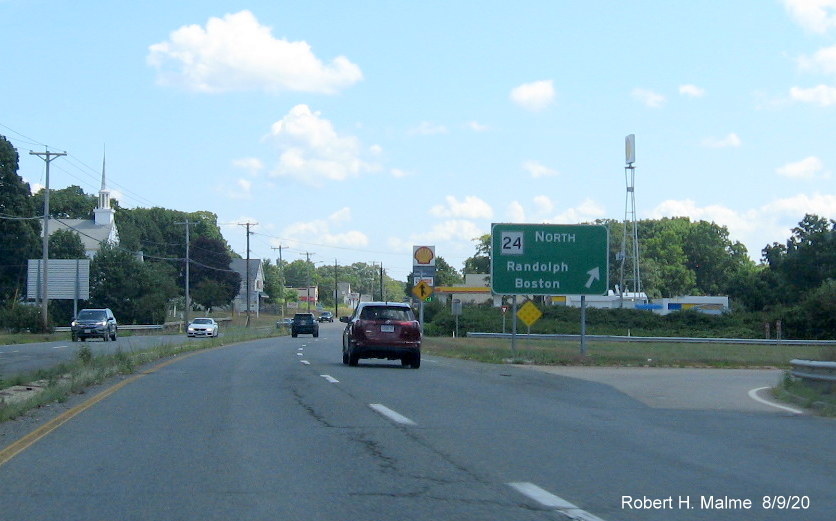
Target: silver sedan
{"type": "Point", "coordinates": [202, 327]}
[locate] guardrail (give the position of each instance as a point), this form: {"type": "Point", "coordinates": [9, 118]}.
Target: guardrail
{"type": "Point", "coordinates": [128, 327]}
{"type": "Point", "coordinates": [822, 372]}
{"type": "Point", "coordinates": [673, 340]}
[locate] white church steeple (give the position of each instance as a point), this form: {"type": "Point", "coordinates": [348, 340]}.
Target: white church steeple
{"type": "Point", "coordinates": [103, 214]}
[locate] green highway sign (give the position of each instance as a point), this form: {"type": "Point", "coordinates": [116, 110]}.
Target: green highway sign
{"type": "Point", "coordinates": [549, 259]}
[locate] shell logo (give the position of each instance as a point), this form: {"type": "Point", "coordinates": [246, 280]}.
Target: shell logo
{"type": "Point", "coordinates": [424, 255]}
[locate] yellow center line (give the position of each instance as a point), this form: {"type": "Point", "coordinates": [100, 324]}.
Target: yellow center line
{"type": "Point", "coordinates": [33, 437]}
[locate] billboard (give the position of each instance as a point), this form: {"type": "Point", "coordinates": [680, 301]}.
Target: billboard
{"type": "Point", "coordinates": [68, 279]}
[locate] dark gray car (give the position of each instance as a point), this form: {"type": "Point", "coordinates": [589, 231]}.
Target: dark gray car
{"type": "Point", "coordinates": [304, 323]}
{"type": "Point", "coordinates": [94, 323]}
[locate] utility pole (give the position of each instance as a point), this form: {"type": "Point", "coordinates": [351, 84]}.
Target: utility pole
{"type": "Point", "coordinates": [281, 280]}
{"type": "Point", "coordinates": [382, 296]}
{"type": "Point", "coordinates": [336, 292]}
{"type": "Point", "coordinates": [248, 224]}
{"type": "Point", "coordinates": [308, 283]}
{"type": "Point", "coordinates": [188, 306]}
{"type": "Point", "coordinates": [47, 156]}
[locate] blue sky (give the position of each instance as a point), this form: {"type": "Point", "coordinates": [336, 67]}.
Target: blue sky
{"type": "Point", "coordinates": [354, 130]}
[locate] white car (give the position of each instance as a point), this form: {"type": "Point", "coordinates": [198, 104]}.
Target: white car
{"type": "Point", "coordinates": [202, 327]}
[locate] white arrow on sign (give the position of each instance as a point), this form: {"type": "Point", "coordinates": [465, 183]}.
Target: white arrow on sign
{"type": "Point", "coordinates": [594, 274]}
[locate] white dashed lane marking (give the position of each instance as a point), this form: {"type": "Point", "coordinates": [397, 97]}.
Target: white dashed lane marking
{"type": "Point", "coordinates": [392, 415]}
{"type": "Point", "coordinates": [547, 499]}
{"type": "Point", "coordinates": [330, 378]}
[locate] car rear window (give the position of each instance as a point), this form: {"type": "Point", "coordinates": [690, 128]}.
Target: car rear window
{"type": "Point", "coordinates": [386, 313]}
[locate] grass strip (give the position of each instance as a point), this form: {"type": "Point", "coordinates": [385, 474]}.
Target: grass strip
{"type": "Point", "coordinates": [60, 382]}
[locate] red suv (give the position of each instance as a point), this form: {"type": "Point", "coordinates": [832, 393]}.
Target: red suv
{"type": "Point", "coordinates": [382, 330]}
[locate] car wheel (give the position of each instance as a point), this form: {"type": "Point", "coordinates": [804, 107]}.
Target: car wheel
{"type": "Point", "coordinates": [316, 334]}
{"type": "Point", "coordinates": [113, 336]}
{"type": "Point", "coordinates": [293, 334]}
{"type": "Point", "coordinates": [75, 338]}
{"type": "Point", "coordinates": [352, 358]}
{"type": "Point", "coordinates": [416, 361]}
{"type": "Point", "coordinates": [345, 357]}
{"type": "Point", "coordinates": [106, 337]}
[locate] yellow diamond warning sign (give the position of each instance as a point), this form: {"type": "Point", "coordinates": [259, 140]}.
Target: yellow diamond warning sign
{"type": "Point", "coordinates": [422, 290]}
{"type": "Point", "coordinates": [529, 313]}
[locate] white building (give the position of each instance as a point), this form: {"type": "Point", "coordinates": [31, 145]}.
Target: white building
{"type": "Point", "coordinates": [92, 233]}
{"type": "Point", "coordinates": [256, 285]}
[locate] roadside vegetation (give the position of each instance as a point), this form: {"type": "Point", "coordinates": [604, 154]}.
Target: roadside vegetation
{"type": "Point", "coordinates": [58, 383]}
{"type": "Point", "coordinates": [626, 354]}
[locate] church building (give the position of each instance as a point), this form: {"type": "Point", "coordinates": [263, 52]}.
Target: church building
{"type": "Point", "coordinates": [92, 233]}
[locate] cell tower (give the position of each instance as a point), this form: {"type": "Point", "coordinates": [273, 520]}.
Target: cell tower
{"type": "Point", "coordinates": [629, 277]}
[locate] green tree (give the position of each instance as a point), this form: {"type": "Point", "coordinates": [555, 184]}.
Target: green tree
{"type": "Point", "coordinates": [299, 273]}
{"type": "Point", "coordinates": [159, 232]}
{"type": "Point", "coordinates": [65, 244]}
{"type": "Point", "coordinates": [273, 283]}
{"type": "Point", "coordinates": [21, 238]}
{"type": "Point", "coordinates": [716, 261]}
{"type": "Point", "coordinates": [136, 291]}
{"type": "Point", "coordinates": [68, 203]}
{"type": "Point", "coordinates": [214, 282]}
{"type": "Point", "coordinates": [808, 258]}
{"type": "Point", "coordinates": [481, 261]}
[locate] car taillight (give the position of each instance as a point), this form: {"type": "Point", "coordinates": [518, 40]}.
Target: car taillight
{"type": "Point", "coordinates": [410, 330]}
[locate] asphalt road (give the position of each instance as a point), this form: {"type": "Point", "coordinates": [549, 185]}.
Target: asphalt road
{"type": "Point", "coordinates": [281, 429]}
{"type": "Point", "coordinates": [27, 358]}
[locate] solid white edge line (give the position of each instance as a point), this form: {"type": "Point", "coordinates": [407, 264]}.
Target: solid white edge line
{"type": "Point", "coordinates": [392, 415]}
{"type": "Point", "coordinates": [753, 394]}
{"type": "Point", "coordinates": [548, 499]}
{"type": "Point", "coordinates": [330, 378]}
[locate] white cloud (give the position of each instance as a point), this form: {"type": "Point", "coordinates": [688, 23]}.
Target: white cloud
{"type": "Point", "coordinates": [587, 211]}
{"type": "Point", "coordinates": [36, 187]}
{"type": "Point", "coordinates": [692, 91]}
{"type": "Point", "coordinates": [470, 208]}
{"type": "Point", "coordinates": [538, 170]}
{"type": "Point", "coordinates": [243, 190]}
{"type": "Point", "coordinates": [813, 15]}
{"type": "Point", "coordinates": [515, 212]}
{"type": "Point", "coordinates": [428, 129]}
{"type": "Point", "coordinates": [823, 61]}
{"type": "Point", "coordinates": [451, 230]}
{"type": "Point", "coordinates": [319, 231]}
{"type": "Point", "coordinates": [756, 227]}
{"type": "Point", "coordinates": [313, 151]}
{"type": "Point", "coordinates": [797, 206]}
{"type": "Point", "coordinates": [808, 168]}
{"type": "Point", "coordinates": [649, 98]}
{"type": "Point", "coordinates": [730, 141]}
{"type": "Point", "coordinates": [477, 127]}
{"type": "Point", "coordinates": [823, 95]}
{"type": "Point", "coordinates": [237, 53]}
{"type": "Point", "coordinates": [250, 164]}
{"type": "Point", "coordinates": [543, 204]}
{"type": "Point", "coordinates": [534, 96]}
{"type": "Point", "coordinates": [398, 173]}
